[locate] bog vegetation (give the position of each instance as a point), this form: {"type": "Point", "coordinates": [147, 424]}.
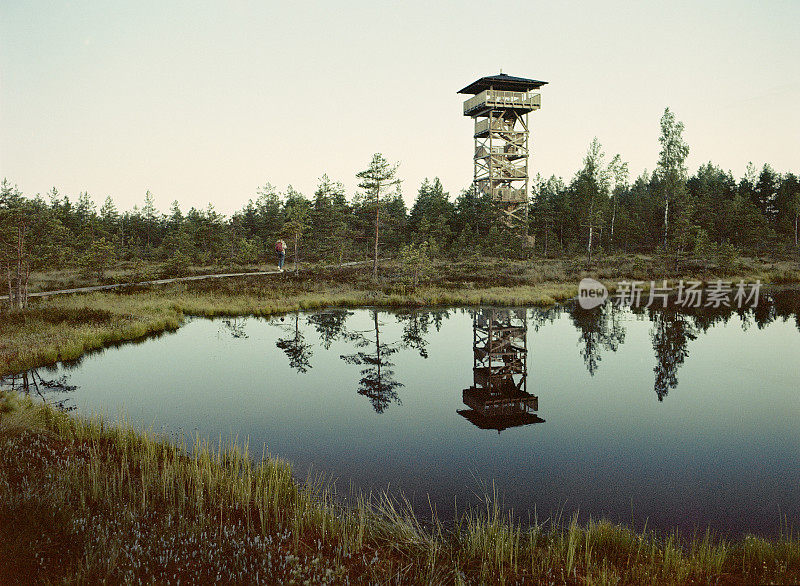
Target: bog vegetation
{"type": "Point", "coordinates": [92, 502]}
{"type": "Point", "coordinates": [710, 215]}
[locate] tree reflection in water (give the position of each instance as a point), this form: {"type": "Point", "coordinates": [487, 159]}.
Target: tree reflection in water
{"type": "Point", "coordinates": [32, 381]}
{"type": "Point", "coordinates": [235, 327]}
{"type": "Point", "coordinates": [671, 333]}
{"type": "Point", "coordinates": [600, 329]}
{"type": "Point", "coordinates": [330, 325]}
{"type": "Point", "coordinates": [295, 346]}
{"type": "Point", "coordinates": [377, 381]}
{"type": "Point", "coordinates": [416, 325]}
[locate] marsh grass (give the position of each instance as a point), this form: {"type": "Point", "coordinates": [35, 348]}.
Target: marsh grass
{"type": "Point", "coordinates": [63, 328]}
{"type": "Point", "coordinates": [82, 500]}
{"type": "Point", "coordinates": [66, 327]}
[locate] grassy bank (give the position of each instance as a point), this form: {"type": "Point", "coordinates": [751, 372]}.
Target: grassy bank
{"type": "Point", "coordinates": [82, 501]}
{"type": "Point", "coordinates": [481, 271]}
{"type": "Point", "coordinates": [66, 327]}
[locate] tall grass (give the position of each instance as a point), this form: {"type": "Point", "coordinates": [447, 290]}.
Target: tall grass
{"type": "Point", "coordinates": [82, 500]}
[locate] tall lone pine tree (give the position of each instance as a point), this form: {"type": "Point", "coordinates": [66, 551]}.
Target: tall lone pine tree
{"type": "Point", "coordinates": [375, 181]}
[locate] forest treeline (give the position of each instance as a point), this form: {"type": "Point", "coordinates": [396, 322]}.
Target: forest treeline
{"type": "Point", "coordinates": [598, 211]}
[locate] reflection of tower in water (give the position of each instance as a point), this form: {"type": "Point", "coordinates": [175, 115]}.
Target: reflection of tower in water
{"type": "Point", "coordinates": [498, 398]}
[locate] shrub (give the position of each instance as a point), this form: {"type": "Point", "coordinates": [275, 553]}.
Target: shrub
{"type": "Point", "coordinates": [176, 266]}
{"type": "Point", "coordinates": [97, 258]}
{"type": "Point", "coordinates": [416, 263]}
{"type": "Point", "coordinates": [727, 256]}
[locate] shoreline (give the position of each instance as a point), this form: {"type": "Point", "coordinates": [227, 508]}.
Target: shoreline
{"type": "Point", "coordinates": [91, 500]}
{"type": "Point", "coordinates": [109, 466]}
{"type": "Point", "coordinates": [56, 329]}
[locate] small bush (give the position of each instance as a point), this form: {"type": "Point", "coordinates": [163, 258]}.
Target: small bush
{"type": "Point", "coordinates": [727, 256]}
{"type": "Point", "coordinates": [416, 263]}
{"type": "Point", "coordinates": [177, 266]}
{"type": "Point", "coordinates": [97, 258]}
{"type": "Point", "coordinates": [141, 272]}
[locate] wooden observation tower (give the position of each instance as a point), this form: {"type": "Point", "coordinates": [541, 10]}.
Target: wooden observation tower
{"type": "Point", "coordinates": [500, 106]}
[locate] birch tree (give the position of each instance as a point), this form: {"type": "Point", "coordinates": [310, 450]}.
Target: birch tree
{"type": "Point", "coordinates": [591, 189]}
{"type": "Point", "coordinates": [618, 175]}
{"type": "Point", "coordinates": [671, 169]}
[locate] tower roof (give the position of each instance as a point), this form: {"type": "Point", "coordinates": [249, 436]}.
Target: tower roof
{"type": "Point", "coordinates": [502, 82]}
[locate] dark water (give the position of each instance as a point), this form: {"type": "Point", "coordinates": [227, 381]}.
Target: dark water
{"type": "Point", "coordinates": [680, 419]}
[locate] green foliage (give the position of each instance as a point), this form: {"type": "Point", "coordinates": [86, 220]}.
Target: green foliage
{"type": "Point", "coordinates": [590, 193]}
{"type": "Point", "coordinates": [598, 209]}
{"type": "Point", "coordinates": [176, 266]}
{"type": "Point", "coordinates": [98, 257]}
{"type": "Point", "coordinates": [31, 238]}
{"type": "Point", "coordinates": [727, 256]}
{"type": "Point", "coordinates": [248, 251]}
{"type": "Point", "coordinates": [377, 180]}
{"type": "Point", "coordinates": [330, 221]}
{"type": "Point", "coordinates": [416, 263]}
{"type": "Point", "coordinates": [703, 246]}
{"type": "Point", "coordinates": [431, 218]}
{"type": "Point", "coordinates": [672, 173]}
{"type": "Point", "coordinates": [297, 210]}
{"type": "Point", "coordinates": [142, 272]}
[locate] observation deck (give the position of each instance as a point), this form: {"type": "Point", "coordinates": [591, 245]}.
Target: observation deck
{"type": "Point", "coordinates": [502, 99]}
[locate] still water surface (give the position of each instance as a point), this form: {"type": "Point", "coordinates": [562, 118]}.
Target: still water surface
{"type": "Point", "coordinates": [687, 420]}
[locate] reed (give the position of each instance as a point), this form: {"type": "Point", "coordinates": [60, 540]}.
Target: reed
{"type": "Point", "coordinates": [88, 499]}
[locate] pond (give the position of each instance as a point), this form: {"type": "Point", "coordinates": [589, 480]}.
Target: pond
{"type": "Point", "coordinates": [678, 419]}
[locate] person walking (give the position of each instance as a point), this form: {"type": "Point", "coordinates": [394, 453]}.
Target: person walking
{"type": "Point", "coordinates": [280, 248]}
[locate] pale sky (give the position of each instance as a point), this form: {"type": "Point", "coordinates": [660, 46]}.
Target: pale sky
{"type": "Point", "coordinates": [205, 101]}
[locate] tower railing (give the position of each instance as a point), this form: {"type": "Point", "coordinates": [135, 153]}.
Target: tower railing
{"type": "Point", "coordinates": [503, 194]}
{"type": "Point", "coordinates": [503, 172]}
{"type": "Point", "coordinates": [496, 124]}
{"type": "Point", "coordinates": [503, 99]}
{"type": "Point", "coordinates": [507, 149]}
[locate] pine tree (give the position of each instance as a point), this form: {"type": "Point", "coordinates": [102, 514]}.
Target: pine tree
{"type": "Point", "coordinates": [109, 217]}
{"type": "Point", "coordinates": [149, 216]}
{"type": "Point", "coordinates": [329, 216]}
{"type": "Point", "coordinates": [297, 211]}
{"type": "Point", "coordinates": [376, 180]}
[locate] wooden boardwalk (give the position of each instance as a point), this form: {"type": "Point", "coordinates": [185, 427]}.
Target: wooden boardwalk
{"type": "Point", "coordinates": [172, 280]}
